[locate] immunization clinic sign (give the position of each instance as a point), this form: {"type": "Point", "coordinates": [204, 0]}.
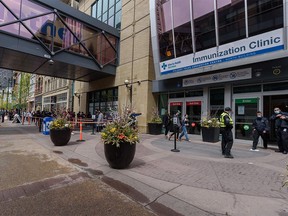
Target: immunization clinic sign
{"type": "Point", "coordinates": [252, 46]}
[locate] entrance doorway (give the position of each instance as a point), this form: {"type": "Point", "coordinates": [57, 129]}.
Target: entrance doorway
{"type": "Point", "coordinates": [269, 103]}
{"type": "Point", "coordinates": [191, 107]}
{"type": "Point", "coordinates": [245, 113]}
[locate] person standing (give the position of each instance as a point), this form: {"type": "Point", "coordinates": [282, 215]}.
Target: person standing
{"type": "Point", "coordinates": [281, 129]}
{"type": "Point", "coordinates": [226, 126]}
{"type": "Point", "coordinates": [167, 124]}
{"type": "Point", "coordinates": [185, 125]}
{"type": "Point", "coordinates": [260, 128]}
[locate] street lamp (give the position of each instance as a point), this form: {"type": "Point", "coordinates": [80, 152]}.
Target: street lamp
{"type": "Point", "coordinates": [128, 85]}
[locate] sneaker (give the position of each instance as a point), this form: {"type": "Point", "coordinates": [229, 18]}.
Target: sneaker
{"type": "Point", "coordinates": [254, 150]}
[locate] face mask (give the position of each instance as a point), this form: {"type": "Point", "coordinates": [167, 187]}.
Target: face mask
{"type": "Point", "coordinates": [259, 116]}
{"type": "Point", "coordinates": [277, 112]}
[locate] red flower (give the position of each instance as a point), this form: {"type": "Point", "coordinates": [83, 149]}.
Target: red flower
{"type": "Point", "coordinates": [121, 136]}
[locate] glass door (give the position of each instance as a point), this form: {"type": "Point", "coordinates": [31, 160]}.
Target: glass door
{"type": "Point", "coordinates": [245, 113]}
{"type": "Point", "coordinates": [193, 109]}
{"type": "Point", "coordinates": [174, 106]}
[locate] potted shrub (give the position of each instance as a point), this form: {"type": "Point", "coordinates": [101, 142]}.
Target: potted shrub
{"type": "Point", "coordinates": [210, 129]}
{"type": "Point", "coordinates": [60, 131]}
{"type": "Point", "coordinates": [120, 137]}
{"type": "Point", "coordinates": [155, 125]}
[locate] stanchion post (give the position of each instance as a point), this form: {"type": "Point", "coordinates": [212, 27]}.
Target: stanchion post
{"type": "Point", "coordinates": [81, 135]}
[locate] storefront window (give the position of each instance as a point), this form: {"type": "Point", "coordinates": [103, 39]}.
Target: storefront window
{"type": "Point", "coordinates": [104, 100]}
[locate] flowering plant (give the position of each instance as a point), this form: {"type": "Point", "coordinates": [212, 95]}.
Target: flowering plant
{"type": "Point", "coordinates": [60, 123]}
{"type": "Point", "coordinates": [120, 130]}
{"type": "Point", "coordinates": [210, 122]}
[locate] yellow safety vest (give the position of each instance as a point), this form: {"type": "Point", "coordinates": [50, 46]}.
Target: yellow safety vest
{"type": "Point", "coordinates": [222, 122]}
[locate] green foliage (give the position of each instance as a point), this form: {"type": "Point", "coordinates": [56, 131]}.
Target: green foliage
{"type": "Point", "coordinates": [210, 122]}
{"type": "Point", "coordinates": [155, 116]}
{"type": "Point", "coordinates": [60, 123]}
{"type": "Point", "coordinates": [120, 130]}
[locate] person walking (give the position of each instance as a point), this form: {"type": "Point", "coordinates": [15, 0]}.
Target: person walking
{"type": "Point", "coordinates": [281, 129]}
{"type": "Point", "coordinates": [167, 124]}
{"type": "Point", "coordinates": [261, 128]}
{"type": "Point", "coordinates": [176, 125]}
{"type": "Point", "coordinates": [226, 126]}
{"type": "Point", "coordinates": [185, 125]}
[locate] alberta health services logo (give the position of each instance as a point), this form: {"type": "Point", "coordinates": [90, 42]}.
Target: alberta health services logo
{"type": "Point", "coordinates": [168, 66]}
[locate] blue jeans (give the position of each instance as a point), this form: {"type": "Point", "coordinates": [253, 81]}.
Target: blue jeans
{"type": "Point", "coordinates": [184, 133]}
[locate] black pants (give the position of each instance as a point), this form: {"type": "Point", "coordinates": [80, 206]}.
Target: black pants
{"type": "Point", "coordinates": [256, 135]}
{"type": "Point", "coordinates": [284, 137]}
{"type": "Point", "coordinates": [167, 128]}
{"type": "Point", "coordinates": [279, 139]}
{"type": "Point", "coordinates": [227, 140]}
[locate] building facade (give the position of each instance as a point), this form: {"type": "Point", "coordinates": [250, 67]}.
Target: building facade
{"type": "Point", "coordinates": [212, 54]}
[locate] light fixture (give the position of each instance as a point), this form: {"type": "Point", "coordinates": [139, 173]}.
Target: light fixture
{"type": "Point", "coordinates": [77, 94]}
{"type": "Point", "coordinates": [127, 84]}
{"type": "Point", "coordinates": [51, 62]}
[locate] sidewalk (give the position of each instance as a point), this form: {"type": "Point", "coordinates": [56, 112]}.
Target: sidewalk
{"type": "Point", "coordinates": [195, 181]}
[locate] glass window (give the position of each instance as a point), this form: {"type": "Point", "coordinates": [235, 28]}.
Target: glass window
{"type": "Point", "coordinates": [246, 89]}
{"type": "Point", "coordinates": [196, 93]}
{"type": "Point", "coordinates": [176, 95]}
{"type": "Point", "coordinates": [264, 16]}
{"type": "Point", "coordinates": [111, 3]}
{"type": "Point", "coordinates": [99, 8]}
{"type": "Point", "coordinates": [231, 19]}
{"type": "Point", "coordinates": [204, 24]}
{"type": "Point", "coordinates": [94, 10]}
{"type": "Point", "coordinates": [105, 16]}
{"type": "Point", "coordinates": [105, 6]}
{"type": "Point", "coordinates": [216, 102]}
{"type": "Point", "coordinates": [275, 87]}
{"type": "Point", "coordinates": [118, 20]}
{"type": "Point", "coordinates": [182, 27]}
{"type": "Point", "coordinates": [111, 21]}
{"type": "Point", "coordinates": [111, 12]}
{"type": "Point", "coordinates": [118, 6]}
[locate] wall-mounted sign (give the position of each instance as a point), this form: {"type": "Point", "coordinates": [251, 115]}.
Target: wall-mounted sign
{"type": "Point", "coordinates": [241, 74]}
{"type": "Point", "coordinates": [247, 101]}
{"type": "Point", "coordinates": [176, 104]}
{"type": "Point", "coordinates": [257, 45]}
{"type": "Point", "coordinates": [193, 103]}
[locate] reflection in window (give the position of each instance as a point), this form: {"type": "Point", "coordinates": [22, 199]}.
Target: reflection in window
{"type": "Point", "coordinates": [231, 19]}
{"type": "Point", "coordinates": [107, 11]}
{"type": "Point", "coordinates": [264, 16]}
{"type": "Point", "coordinates": [204, 23]}
{"type": "Point", "coordinates": [182, 27]}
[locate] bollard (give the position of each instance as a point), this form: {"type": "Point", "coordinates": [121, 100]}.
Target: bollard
{"type": "Point", "coordinates": [93, 128]}
{"type": "Point", "coordinates": [81, 134]}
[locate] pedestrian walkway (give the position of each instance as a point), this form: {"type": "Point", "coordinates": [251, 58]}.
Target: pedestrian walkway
{"type": "Point", "coordinates": [195, 181]}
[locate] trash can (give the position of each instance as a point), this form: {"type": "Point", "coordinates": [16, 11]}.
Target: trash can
{"type": "Point", "coordinates": [45, 125]}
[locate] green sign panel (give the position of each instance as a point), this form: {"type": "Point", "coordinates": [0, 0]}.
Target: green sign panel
{"type": "Point", "coordinates": [247, 101]}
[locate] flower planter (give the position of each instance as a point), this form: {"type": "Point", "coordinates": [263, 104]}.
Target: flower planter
{"type": "Point", "coordinates": [155, 128]}
{"type": "Point", "coordinates": [60, 137]}
{"type": "Point", "coordinates": [210, 134]}
{"type": "Point", "coordinates": [119, 157]}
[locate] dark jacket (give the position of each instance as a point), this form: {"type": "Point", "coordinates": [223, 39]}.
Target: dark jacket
{"type": "Point", "coordinates": [167, 120]}
{"type": "Point", "coordinates": [280, 123]}
{"type": "Point", "coordinates": [261, 124]}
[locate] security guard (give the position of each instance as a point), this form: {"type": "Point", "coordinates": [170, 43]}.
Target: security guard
{"type": "Point", "coordinates": [226, 126]}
